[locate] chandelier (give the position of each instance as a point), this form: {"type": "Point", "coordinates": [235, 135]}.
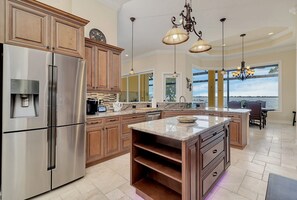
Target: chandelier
{"type": "Point", "coordinates": [177, 35]}
{"type": "Point", "coordinates": [243, 72]}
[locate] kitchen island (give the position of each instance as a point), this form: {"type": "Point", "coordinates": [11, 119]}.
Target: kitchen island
{"type": "Point", "coordinates": [172, 160]}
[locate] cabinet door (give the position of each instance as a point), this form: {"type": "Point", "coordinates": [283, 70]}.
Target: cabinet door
{"type": "Point", "coordinates": [68, 37]}
{"type": "Point", "coordinates": [102, 63]}
{"type": "Point", "coordinates": [94, 144]}
{"type": "Point", "coordinates": [235, 134]}
{"type": "Point", "coordinates": [112, 139]}
{"type": "Point", "coordinates": [89, 57]}
{"type": "Point", "coordinates": [27, 27]}
{"type": "Point", "coordinates": [115, 72]}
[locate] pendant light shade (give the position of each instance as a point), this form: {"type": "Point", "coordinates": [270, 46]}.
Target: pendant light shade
{"type": "Point", "coordinates": [175, 36]}
{"type": "Point", "coordinates": [132, 67]}
{"type": "Point", "coordinates": [200, 46]}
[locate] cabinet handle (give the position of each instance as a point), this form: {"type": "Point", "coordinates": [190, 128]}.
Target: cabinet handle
{"type": "Point", "coordinates": [93, 123]}
{"type": "Point", "coordinates": [214, 151]}
{"type": "Point", "coordinates": [53, 48]}
{"type": "Point", "coordinates": [112, 120]}
{"type": "Point", "coordinates": [214, 134]}
{"type": "Point", "coordinates": [47, 47]}
{"type": "Point", "coordinates": [214, 174]}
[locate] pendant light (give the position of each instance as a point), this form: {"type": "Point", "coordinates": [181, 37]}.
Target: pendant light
{"type": "Point", "coordinates": [243, 72]}
{"type": "Point", "coordinates": [223, 46]}
{"type": "Point", "coordinates": [174, 75]}
{"type": "Point", "coordinates": [177, 35]}
{"type": "Point", "coordinates": [132, 67]}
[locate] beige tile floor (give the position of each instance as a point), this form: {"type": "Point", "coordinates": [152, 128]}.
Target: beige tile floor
{"type": "Point", "coordinates": [273, 149]}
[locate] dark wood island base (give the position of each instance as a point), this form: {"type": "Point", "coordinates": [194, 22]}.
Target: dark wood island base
{"type": "Point", "coordinates": [179, 168]}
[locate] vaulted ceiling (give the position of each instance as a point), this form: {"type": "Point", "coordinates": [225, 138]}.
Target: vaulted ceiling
{"type": "Point", "coordinates": [256, 18]}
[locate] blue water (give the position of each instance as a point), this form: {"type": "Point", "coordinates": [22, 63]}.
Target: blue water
{"type": "Point", "coordinates": [271, 102]}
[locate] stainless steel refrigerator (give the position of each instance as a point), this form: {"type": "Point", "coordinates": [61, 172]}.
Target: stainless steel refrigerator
{"type": "Point", "coordinates": [43, 121]}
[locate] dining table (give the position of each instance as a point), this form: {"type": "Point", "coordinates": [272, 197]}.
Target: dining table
{"type": "Point", "coordinates": [265, 113]}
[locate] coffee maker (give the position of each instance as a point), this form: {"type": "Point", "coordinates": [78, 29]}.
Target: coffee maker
{"type": "Point", "coordinates": [92, 105]}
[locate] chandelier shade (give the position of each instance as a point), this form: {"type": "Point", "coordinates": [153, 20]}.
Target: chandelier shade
{"type": "Point", "coordinates": [200, 46]}
{"type": "Point", "coordinates": [178, 35]}
{"type": "Point", "coordinates": [175, 36]}
{"type": "Point", "coordinates": [243, 72]}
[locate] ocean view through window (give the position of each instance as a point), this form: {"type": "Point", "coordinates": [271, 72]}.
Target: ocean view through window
{"type": "Point", "coordinates": [264, 85]}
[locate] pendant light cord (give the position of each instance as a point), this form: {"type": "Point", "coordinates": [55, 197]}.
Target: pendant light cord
{"type": "Point", "coordinates": [132, 19]}
{"type": "Point", "coordinates": [175, 58]}
{"type": "Point", "coordinates": [223, 46]}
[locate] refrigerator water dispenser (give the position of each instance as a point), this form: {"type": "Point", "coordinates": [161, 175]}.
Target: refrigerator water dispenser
{"type": "Point", "coordinates": [24, 98]}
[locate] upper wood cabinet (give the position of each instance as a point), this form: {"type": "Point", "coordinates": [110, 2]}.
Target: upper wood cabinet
{"type": "Point", "coordinates": [33, 24]}
{"type": "Point", "coordinates": [103, 66]}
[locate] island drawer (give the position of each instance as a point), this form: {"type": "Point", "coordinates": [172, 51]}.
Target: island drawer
{"type": "Point", "coordinates": [212, 150]}
{"type": "Point", "coordinates": [232, 115]}
{"type": "Point", "coordinates": [211, 135]}
{"type": "Point", "coordinates": [210, 179]}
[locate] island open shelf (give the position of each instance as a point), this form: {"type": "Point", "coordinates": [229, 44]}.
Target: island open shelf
{"type": "Point", "coordinates": [168, 164]}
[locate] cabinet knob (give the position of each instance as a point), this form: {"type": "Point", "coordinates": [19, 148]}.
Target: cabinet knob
{"type": "Point", "coordinates": [47, 47]}
{"type": "Point", "coordinates": [214, 151]}
{"type": "Point", "coordinates": [53, 48]}
{"type": "Point", "coordinates": [214, 134]}
{"type": "Point", "coordinates": [214, 174]}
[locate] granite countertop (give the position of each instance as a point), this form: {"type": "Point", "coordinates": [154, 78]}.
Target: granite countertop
{"type": "Point", "coordinates": [147, 110]}
{"type": "Point", "coordinates": [171, 128]}
{"type": "Point", "coordinates": [228, 110]}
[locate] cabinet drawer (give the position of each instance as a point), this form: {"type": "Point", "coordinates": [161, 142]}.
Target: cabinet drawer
{"type": "Point", "coordinates": [91, 123]}
{"type": "Point", "coordinates": [133, 117]}
{"type": "Point", "coordinates": [126, 143]}
{"type": "Point", "coordinates": [110, 120]}
{"type": "Point", "coordinates": [231, 115]}
{"type": "Point", "coordinates": [211, 135]}
{"type": "Point", "coordinates": [212, 177]}
{"type": "Point", "coordinates": [209, 154]}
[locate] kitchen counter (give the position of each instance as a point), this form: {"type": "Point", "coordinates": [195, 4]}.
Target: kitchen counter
{"type": "Point", "coordinates": [171, 128]}
{"type": "Point", "coordinates": [172, 160]}
{"type": "Point", "coordinates": [147, 110]}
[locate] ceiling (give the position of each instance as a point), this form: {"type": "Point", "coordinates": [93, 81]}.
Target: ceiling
{"type": "Point", "coordinates": [253, 17]}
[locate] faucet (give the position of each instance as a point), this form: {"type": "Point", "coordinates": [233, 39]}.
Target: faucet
{"type": "Point", "coordinates": [184, 100]}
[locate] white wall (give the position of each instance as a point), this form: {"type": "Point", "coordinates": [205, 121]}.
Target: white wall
{"type": "Point", "coordinates": [100, 16]}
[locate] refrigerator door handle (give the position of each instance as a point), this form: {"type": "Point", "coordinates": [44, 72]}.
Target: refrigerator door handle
{"type": "Point", "coordinates": [49, 147]}
{"type": "Point", "coordinates": [50, 88]}
{"type": "Point", "coordinates": [54, 95]}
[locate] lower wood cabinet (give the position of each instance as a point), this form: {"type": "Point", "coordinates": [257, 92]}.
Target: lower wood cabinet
{"type": "Point", "coordinates": [112, 139]}
{"type": "Point", "coordinates": [103, 139]}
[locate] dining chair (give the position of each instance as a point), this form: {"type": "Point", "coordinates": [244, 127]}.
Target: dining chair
{"type": "Point", "coordinates": [263, 105]}
{"type": "Point", "coordinates": [256, 113]}
{"type": "Point", "coordinates": [234, 104]}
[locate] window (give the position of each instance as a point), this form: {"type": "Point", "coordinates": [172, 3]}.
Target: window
{"type": "Point", "coordinates": [171, 89]}
{"type": "Point", "coordinates": [137, 88]}
{"type": "Point", "coordinates": [264, 85]}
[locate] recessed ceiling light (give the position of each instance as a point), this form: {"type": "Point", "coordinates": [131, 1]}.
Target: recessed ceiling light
{"type": "Point", "coordinates": [271, 33]}
{"type": "Point", "coordinates": [126, 55]}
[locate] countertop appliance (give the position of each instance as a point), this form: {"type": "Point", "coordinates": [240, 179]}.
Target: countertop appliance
{"type": "Point", "coordinates": [43, 121]}
{"type": "Point", "coordinates": [101, 108]}
{"type": "Point", "coordinates": [92, 105]}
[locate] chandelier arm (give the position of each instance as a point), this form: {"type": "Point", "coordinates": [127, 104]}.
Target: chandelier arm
{"type": "Point", "coordinates": [173, 21]}
{"type": "Point", "coordinates": [199, 33]}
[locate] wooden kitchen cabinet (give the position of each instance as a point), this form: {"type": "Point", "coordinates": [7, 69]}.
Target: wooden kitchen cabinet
{"type": "Point", "coordinates": [95, 133]}
{"type": "Point", "coordinates": [112, 139]}
{"type": "Point", "coordinates": [103, 139]}
{"type": "Point", "coordinates": [36, 25]}
{"type": "Point", "coordinates": [103, 66]}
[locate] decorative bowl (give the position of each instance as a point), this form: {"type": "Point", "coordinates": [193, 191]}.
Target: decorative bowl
{"type": "Point", "coordinates": [186, 119]}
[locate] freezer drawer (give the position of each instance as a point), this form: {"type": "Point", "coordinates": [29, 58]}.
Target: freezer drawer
{"type": "Point", "coordinates": [24, 164]}
{"type": "Point", "coordinates": [70, 156]}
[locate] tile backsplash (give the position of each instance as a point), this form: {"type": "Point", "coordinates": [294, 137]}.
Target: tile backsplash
{"type": "Point", "coordinates": [108, 99]}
